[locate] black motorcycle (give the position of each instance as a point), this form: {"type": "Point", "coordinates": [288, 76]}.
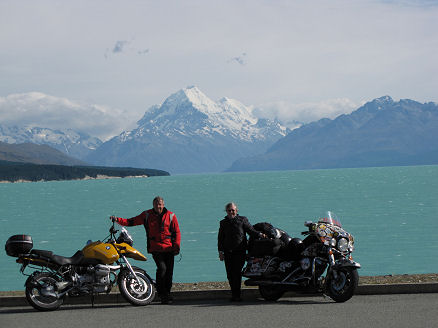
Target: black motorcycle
{"type": "Point", "coordinates": [321, 263]}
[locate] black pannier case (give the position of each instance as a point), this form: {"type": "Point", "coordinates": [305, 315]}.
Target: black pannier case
{"type": "Point", "coordinates": [262, 247]}
{"type": "Point", "coordinates": [18, 244]}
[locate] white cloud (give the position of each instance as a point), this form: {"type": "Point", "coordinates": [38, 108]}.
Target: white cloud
{"type": "Point", "coordinates": [297, 51]}
{"type": "Point", "coordinates": [290, 114]}
{"type": "Point", "coordinates": [38, 109]}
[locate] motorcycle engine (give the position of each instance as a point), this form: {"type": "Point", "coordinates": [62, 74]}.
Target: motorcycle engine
{"type": "Point", "coordinates": [102, 281]}
{"type": "Point", "coordinates": [97, 278]}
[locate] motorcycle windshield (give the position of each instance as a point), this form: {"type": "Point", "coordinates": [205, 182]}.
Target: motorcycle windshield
{"type": "Point", "coordinates": [125, 237]}
{"type": "Point", "coordinates": [331, 218]}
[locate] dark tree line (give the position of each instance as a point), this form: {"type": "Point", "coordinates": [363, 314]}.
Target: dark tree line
{"type": "Point", "coordinates": [11, 171]}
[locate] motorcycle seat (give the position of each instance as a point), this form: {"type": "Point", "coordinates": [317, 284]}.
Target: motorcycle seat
{"type": "Point", "coordinates": [42, 253]}
{"type": "Point", "coordinates": [57, 259]}
{"type": "Point", "coordinates": [74, 260]}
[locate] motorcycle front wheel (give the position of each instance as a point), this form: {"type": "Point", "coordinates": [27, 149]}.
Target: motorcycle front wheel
{"type": "Point", "coordinates": [141, 292]}
{"type": "Point", "coordinates": [41, 292]}
{"type": "Point", "coordinates": [271, 293]}
{"type": "Point", "coordinates": [341, 288]}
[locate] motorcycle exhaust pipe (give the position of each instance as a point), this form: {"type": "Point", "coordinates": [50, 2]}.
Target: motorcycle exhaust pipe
{"type": "Point", "coordinates": [268, 283]}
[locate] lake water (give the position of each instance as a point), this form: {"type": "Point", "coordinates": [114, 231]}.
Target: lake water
{"type": "Point", "coordinates": [392, 212]}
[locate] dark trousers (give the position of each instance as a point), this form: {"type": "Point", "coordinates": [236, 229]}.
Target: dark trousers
{"type": "Point", "coordinates": [234, 262]}
{"type": "Point", "coordinates": [164, 262]}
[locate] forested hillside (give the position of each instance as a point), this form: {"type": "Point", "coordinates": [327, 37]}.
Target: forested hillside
{"type": "Point", "coordinates": [13, 172]}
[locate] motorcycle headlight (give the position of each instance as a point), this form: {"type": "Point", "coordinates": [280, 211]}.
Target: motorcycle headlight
{"type": "Point", "coordinates": [343, 244]}
{"type": "Point", "coordinates": [333, 242]}
{"type": "Point", "coordinates": [330, 242]}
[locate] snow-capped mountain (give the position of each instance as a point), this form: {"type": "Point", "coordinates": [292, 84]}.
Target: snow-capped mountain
{"type": "Point", "coordinates": [190, 133]}
{"type": "Point", "coordinates": [70, 142]}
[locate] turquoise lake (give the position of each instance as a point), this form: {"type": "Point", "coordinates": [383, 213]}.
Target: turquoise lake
{"type": "Point", "coordinates": [391, 211]}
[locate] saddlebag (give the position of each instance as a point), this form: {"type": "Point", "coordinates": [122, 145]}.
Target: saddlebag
{"type": "Point", "coordinates": [18, 244]}
{"type": "Point", "coordinates": [264, 247]}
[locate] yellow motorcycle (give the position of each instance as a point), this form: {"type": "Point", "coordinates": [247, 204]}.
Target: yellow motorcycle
{"type": "Point", "coordinates": [95, 269]}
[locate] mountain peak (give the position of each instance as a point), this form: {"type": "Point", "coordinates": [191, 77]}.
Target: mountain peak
{"type": "Point", "coordinates": [190, 110]}
{"type": "Point", "coordinates": [190, 96]}
{"type": "Point", "coordinates": [205, 134]}
{"type": "Point", "coordinates": [376, 105]}
{"type": "Point", "coordinates": [384, 100]}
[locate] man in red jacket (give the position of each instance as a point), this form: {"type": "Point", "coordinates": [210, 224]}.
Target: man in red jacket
{"type": "Point", "coordinates": [163, 242]}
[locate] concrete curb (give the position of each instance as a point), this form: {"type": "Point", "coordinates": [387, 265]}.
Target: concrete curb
{"type": "Point", "coordinates": [215, 294]}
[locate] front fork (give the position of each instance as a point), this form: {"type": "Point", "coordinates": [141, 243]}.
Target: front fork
{"type": "Point", "coordinates": [332, 262]}
{"type": "Point", "coordinates": [130, 269]}
{"type": "Point", "coordinates": [342, 263]}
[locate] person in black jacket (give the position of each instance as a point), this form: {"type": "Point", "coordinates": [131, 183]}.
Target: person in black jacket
{"type": "Point", "coordinates": [232, 245]}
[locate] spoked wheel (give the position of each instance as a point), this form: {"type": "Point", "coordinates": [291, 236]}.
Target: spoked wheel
{"type": "Point", "coordinates": [41, 292]}
{"type": "Point", "coordinates": [341, 288]}
{"type": "Point", "coordinates": [136, 292]}
{"type": "Point", "coordinates": [271, 293]}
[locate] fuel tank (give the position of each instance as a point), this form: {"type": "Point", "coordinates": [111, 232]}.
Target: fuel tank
{"type": "Point", "coordinates": [104, 252]}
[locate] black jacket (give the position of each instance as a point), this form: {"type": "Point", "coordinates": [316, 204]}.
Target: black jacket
{"type": "Point", "coordinates": [232, 234]}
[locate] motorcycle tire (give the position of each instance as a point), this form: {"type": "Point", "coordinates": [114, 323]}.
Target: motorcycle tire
{"type": "Point", "coordinates": [132, 291]}
{"type": "Point", "coordinates": [40, 284]}
{"type": "Point", "coordinates": [342, 288]}
{"type": "Point", "coordinates": [271, 293]}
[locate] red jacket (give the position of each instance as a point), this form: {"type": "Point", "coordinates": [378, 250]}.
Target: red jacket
{"type": "Point", "coordinates": [162, 231]}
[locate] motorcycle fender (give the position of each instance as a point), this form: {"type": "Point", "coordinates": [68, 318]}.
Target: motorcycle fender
{"type": "Point", "coordinates": [346, 264]}
{"type": "Point", "coordinates": [130, 252]}
{"type": "Point", "coordinates": [135, 268]}
{"type": "Point", "coordinates": [30, 283]}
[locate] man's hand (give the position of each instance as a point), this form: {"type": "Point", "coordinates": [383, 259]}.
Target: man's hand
{"type": "Point", "coordinates": [221, 256]}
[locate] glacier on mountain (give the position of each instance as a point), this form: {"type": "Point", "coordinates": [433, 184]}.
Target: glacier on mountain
{"type": "Point", "coordinates": [197, 133]}
{"type": "Point", "coordinates": [70, 142]}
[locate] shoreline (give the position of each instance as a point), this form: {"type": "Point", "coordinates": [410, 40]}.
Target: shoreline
{"type": "Point", "coordinates": [98, 177]}
{"type": "Point", "coordinates": [389, 279]}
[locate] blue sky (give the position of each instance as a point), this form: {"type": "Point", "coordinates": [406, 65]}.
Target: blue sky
{"type": "Point", "coordinates": [298, 60]}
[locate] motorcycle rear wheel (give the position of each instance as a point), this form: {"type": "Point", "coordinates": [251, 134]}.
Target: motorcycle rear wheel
{"type": "Point", "coordinates": [38, 289]}
{"type": "Point", "coordinates": [132, 291]}
{"type": "Point", "coordinates": [271, 293]}
{"type": "Point", "coordinates": [342, 288]}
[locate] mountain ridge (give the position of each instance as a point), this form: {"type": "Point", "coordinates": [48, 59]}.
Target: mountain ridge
{"type": "Point", "coordinates": [380, 133]}
{"type": "Point", "coordinates": [36, 154]}
{"type": "Point", "coordinates": [73, 143]}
